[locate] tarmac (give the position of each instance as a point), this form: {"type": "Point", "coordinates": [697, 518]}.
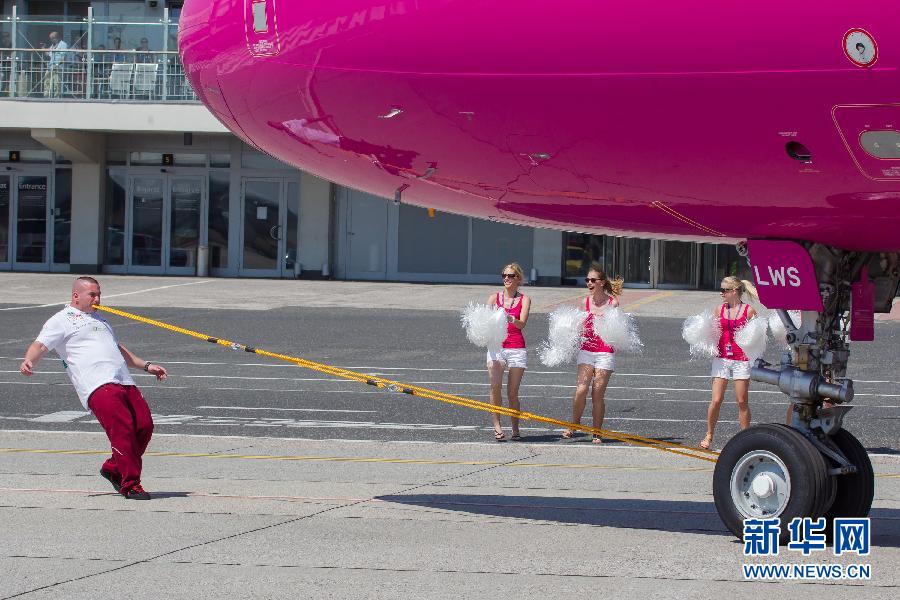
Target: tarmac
{"type": "Point", "coordinates": [263, 517]}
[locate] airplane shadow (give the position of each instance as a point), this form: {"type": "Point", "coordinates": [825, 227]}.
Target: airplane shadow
{"type": "Point", "coordinates": [657, 515]}
{"type": "Point", "coordinates": [679, 516]}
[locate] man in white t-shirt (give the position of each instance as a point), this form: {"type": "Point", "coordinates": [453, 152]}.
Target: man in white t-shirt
{"type": "Point", "coordinates": [97, 365]}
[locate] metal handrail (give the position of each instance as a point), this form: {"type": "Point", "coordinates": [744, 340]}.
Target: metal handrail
{"type": "Point", "coordinates": [94, 73]}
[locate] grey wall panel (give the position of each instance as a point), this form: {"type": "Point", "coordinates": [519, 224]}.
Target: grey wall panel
{"type": "Point", "coordinates": [496, 244]}
{"type": "Point", "coordinates": [436, 244]}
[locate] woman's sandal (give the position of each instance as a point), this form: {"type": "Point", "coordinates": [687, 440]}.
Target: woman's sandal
{"type": "Point", "coordinates": [515, 437]}
{"type": "Point", "coordinates": [706, 441]}
{"type": "Point", "coordinates": [568, 433]}
{"type": "Point", "coordinates": [499, 436]}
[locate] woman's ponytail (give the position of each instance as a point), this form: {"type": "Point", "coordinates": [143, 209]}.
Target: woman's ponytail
{"type": "Point", "coordinates": [748, 288]}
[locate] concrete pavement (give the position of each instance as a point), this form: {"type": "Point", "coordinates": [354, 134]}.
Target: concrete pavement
{"type": "Point", "coordinates": [32, 289]}
{"type": "Point", "coordinates": [263, 518]}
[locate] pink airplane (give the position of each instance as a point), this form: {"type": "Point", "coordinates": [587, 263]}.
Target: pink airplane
{"type": "Point", "coordinates": [775, 126]}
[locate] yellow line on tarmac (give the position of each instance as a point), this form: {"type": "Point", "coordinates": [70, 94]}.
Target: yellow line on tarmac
{"type": "Point", "coordinates": [647, 300]}
{"type": "Point", "coordinates": [559, 302]}
{"type": "Point", "coordinates": [628, 306]}
{"type": "Point", "coordinates": [360, 459]}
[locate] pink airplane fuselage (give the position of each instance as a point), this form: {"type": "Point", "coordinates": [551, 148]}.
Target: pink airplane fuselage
{"type": "Point", "coordinates": [660, 119]}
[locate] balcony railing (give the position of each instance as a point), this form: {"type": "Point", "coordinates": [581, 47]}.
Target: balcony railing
{"type": "Point", "coordinates": [98, 59]}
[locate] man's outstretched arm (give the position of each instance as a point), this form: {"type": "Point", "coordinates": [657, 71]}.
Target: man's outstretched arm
{"type": "Point", "coordinates": [135, 362]}
{"type": "Point", "coordinates": [35, 353]}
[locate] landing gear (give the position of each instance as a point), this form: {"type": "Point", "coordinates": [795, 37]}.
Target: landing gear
{"type": "Point", "coordinates": [812, 468]}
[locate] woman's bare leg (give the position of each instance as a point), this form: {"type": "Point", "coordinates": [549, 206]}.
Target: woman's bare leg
{"type": "Point", "coordinates": [598, 393]}
{"type": "Point", "coordinates": [582, 385]}
{"type": "Point", "coordinates": [712, 414]}
{"type": "Point", "coordinates": [742, 395]}
{"type": "Point", "coordinates": [495, 371]}
{"type": "Point", "coordinates": [512, 392]}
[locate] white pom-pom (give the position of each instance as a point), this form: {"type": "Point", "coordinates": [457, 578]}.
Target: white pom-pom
{"type": "Point", "coordinates": [486, 326]}
{"type": "Point", "coordinates": [777, 328]}
{"type": "Point", "coordinates": [702, 333]}
{"type": "Point", "coordinates": [566, 329]}
{"type": "Point", "coordinates": [752, 338]}
{"type": "Point", "coordinates": [619, 330]}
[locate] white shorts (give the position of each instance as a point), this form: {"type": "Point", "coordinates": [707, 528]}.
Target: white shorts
{"type": "Point", "coordinates": [515, 358]}
{"type": "Point", "coordinates": [598, 360]}
{"type": "Point", "coordinates": [726, 368]}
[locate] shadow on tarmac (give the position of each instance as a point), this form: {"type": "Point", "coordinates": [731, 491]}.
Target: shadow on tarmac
{"type": "Point", "coordinates": [680, 516]}
{"type": "Point", "coordinates": [653, 515]}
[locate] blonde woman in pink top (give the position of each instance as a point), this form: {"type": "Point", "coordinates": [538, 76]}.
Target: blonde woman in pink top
{"type": "Point", "coordinates": [731, 363]}
{"type": "Point", "coordinates": [597, 359]}
{"type": "Point", "coordinates": [513, 355]}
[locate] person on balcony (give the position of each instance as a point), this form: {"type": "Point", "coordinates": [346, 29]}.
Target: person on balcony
{"type": "Point", "coordinates": [118, 54]}
{"type": "Point", "coordinates": [143, 52]}
{"type": "Point", "coordinates": [58, 51]}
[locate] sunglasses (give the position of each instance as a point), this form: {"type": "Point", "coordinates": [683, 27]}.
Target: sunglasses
{"type": "Point", "coordinates": [723, 290]}
{"type": "Point", "coordinates": [593, 279]}
{"type": "Point", "coordinates": [509, 275]}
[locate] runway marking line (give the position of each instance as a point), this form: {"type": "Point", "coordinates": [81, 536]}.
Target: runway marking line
{"type": "Point", "coordinates": [384, 460]}
{"type": "Point", "coordinates": [163, 287]}
{"type": "Point", "coordinates": [647, 300]}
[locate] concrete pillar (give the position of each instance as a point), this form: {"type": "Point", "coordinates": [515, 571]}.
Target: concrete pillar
{"type": "Point", "coordinates": [315, 223]}
{"type": "Point", "coordinates": [87, 152]}
{"type": "Point", "coordinates": [88, 191]}
{"type": "Point", "coordinates": [548, 249]}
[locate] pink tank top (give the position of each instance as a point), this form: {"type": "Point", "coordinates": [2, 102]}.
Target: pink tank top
{"type": "Point", "coordinates": [728, 347]}
{"type": "Point", "coordinates": [514, 337]}
{"type": "Point", "coordinates": [592, 341]}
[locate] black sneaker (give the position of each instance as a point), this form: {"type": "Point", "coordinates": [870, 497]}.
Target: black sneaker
{"type": "Point", "coordinates": [111, 477]}
{"type": "Point", "coordinates": [136, 493]}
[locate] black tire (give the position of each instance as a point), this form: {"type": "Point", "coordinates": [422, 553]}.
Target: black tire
{"type": "Point", "coordinates": [825, 494]}
{"type": "Point", "coordinates": [854, 492]}
{"type": "Point", "coordinates": [805, 477]}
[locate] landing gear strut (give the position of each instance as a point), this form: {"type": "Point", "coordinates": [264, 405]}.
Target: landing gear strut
{"type": "Point", "coordinates": [813, 467]}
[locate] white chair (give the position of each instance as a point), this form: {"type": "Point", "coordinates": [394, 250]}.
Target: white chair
{"type": "Point", "coordinates": [120, 79]}
{"type": "Point", "coordinates": [145, 78]}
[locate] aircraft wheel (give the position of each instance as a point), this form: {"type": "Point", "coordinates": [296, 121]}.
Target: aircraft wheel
{"type": "Point", "coordinates": [825, 495]}
{"type": "Point", "coordinates": [769, 471]}
{"type": "Point", "coordinates": [854, 492]}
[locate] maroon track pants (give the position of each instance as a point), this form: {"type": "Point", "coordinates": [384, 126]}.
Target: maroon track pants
{"type": "Point", "coordinates": [125, 416]}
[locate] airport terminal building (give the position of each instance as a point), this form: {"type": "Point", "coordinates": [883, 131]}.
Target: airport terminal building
{"type": "Point", "coordinates": [109, 164]}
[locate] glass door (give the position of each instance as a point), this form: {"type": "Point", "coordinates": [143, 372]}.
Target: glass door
{"type": "Point", "coordinates": [30, 210]}
{"type": "Point", "coordinates": [144, 248]}
{"type": "Point", "coordinates": [678, 263]}
{"type": "Point", "coordinates": [637, 261]}
{"type": "Point", "coordinates": [185, 200]}
{"type": "Point", "coordinates": [164, 224]}
{"type": "Point", "coordinates": [263, 229]}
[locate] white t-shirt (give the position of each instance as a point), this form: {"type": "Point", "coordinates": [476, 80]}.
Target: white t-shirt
{"type": "Point", "coordinates": [89, 349]}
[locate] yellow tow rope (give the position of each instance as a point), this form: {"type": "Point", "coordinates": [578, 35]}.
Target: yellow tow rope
{"type": "Point", "coordinates": [396, 386]}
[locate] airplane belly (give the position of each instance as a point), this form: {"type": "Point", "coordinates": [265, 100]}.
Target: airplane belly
{"type": "Point", "coordinates": [652, 136]}
{"type": "Point", "coordinates": [679, 158]}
